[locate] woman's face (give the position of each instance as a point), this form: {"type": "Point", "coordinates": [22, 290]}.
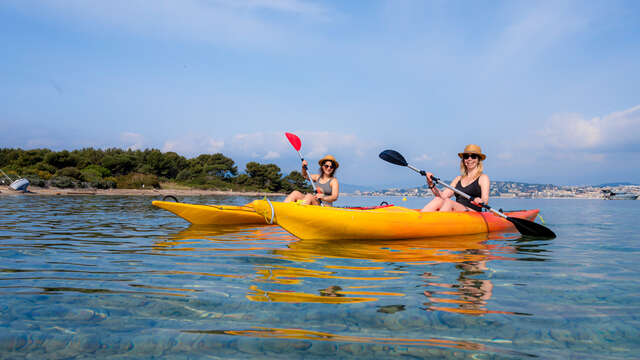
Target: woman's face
{"type": "Point", "coordinates": [470, 161]}
{"type": "Point", "coordinates": [327, 167]}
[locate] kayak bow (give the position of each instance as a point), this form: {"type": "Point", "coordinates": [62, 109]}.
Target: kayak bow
{"type": "Point", "coordinates": [212, 214]}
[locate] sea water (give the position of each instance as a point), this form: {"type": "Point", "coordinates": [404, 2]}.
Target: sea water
{"type": "Point", "coordinates": [113, 277]}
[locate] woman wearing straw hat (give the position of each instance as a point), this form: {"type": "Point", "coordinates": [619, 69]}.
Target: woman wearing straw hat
{"type": "Point", "coordinates": [327, 186]}
{"type": "Point", "coordinates": [471, 181]}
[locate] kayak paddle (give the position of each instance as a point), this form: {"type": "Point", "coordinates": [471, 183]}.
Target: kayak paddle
{"type": "Point", "coordinates": [297, 144]}
{"type": "Point", "coordinates": [525, 227]}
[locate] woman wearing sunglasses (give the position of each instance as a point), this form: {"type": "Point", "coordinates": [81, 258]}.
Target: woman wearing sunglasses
{"type": "Point", "coordinates": [327, 186]}
{"type": "Point", "coordinates": [471, 182]}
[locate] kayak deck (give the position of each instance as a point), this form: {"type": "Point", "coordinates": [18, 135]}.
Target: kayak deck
{"type": "Point", "coordinates": [212, 214]}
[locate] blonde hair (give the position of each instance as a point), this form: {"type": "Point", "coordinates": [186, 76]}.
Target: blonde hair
{"type": "Point", "coordinates": [463, 169]}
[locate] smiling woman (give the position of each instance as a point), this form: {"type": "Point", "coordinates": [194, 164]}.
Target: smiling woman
{"type": "Point", "coordinates": [327, 187]}
{"type": "Point", "coordinates": [471, 181]}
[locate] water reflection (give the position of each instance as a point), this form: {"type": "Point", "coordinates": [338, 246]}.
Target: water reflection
{"type": "Point", "coordinates": [113, 277]}
{"type": "Point", "coordinates": [340, 272]}
{"type": "Point", "coordinates": [385, 346]}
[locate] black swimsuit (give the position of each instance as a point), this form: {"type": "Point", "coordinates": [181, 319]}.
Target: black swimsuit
{"type": "Point", "coordinates": [472, 190]}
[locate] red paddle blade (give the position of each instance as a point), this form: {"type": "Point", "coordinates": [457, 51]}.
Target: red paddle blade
{"type": "Point", "coordinates": [294, 140]}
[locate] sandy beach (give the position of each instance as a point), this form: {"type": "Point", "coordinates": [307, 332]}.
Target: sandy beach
{"type": "Point", "coordinates": [34, 190]}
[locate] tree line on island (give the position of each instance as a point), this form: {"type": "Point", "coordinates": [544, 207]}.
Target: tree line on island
{"type": "Point", "coordinates": [149, 168]}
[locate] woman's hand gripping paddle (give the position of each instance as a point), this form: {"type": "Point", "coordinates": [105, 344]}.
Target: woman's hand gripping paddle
{"type": "Point", "coordinates": [525, 227]}
{"type": "Point", "coordinates": [297, 144]}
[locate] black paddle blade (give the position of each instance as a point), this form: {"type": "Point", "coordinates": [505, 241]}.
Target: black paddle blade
{"type": "Point", "coordinates": [529, 228]}
{"type": "Point", "coordinates": [393, 157]}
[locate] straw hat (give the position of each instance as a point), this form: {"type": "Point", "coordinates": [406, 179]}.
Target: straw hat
{"type": "Point", "coordinates": [335, 162]}
{"type": "Point", "coordinates": [473, 149]}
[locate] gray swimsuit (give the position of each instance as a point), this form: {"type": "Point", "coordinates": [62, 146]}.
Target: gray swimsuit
{"type": "Point", "coordinates": [326, 187]}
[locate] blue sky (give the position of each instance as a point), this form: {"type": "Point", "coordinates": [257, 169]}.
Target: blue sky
{"type": "Point", "coordinates": [549, 89]}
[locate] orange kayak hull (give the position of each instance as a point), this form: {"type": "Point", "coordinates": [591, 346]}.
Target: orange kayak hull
{"type": "Point", "coordinates": [392, 222]}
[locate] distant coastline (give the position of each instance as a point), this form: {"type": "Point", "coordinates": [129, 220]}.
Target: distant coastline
{"type": "Point", "coordinates": [507, 189]}
{"type": "Point", "coordinates": [575, 192]}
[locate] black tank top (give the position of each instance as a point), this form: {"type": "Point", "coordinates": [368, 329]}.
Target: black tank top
{"type": "Point", "coordinates": [472, 190]}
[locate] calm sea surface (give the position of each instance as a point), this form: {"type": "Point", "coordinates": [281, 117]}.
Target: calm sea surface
{"type": "Point", "coordinates": [113, 277]}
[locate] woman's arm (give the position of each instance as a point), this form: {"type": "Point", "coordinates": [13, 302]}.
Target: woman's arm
{"type": "Point", "coordinates": [485, 186]}
{"type": "Point", "coordinates": [306, 175]}
{"type": "Point", "coordinates": [445, 194]}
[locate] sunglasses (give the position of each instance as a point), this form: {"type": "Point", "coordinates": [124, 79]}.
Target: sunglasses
{"type": "Point", "coordinates": [473, 156]}
{"type": "Point", "coordinates": [328, 166]}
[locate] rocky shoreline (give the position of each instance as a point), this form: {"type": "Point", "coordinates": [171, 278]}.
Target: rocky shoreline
{"type": "Point", "coordinates": [34, 190]}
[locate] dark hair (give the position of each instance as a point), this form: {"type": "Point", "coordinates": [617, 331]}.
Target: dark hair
{"type": "Point", "coordinates": [333, 173]}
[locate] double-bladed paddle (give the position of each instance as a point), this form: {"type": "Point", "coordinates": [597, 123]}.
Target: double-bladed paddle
{"type": "Point", "coordinates": [297, 144]}
{"type": "Point", "coordinates": [525, 227]}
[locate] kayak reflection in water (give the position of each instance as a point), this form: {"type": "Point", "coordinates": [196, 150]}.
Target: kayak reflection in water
{"type": "Point", "coordinates": [472, 292]}
{"type": "Point", "coordinates": [471, 181]}
{"type": "Point", "coordinates": [327, 187]}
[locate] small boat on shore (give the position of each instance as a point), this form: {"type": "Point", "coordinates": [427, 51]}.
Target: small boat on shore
{"type": "Point", "coordinates": [17, 185]}
{"type": "Point", "coordinates": [310, 222]}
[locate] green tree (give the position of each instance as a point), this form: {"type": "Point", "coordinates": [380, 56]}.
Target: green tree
{"type": "Point", "coordinates": [119, 163]}
{"type": "Point", "coordinates": [267, 177]}
{"type": "Point", "coordinates": [43, 166]}
{"type": "Point", "coordinates": [61, 159]}
{"type": "Point", "coordinates": [101, 171]}
{"type": "Point", "coordinates": [31, 157]}
{"type": "Point", "coordinates": [216, 165]}
{"type": "Point", "coordinates": [9, 157]}
{"type": "Point", "coordinates": [295, 181]}
{"type": "Point", "coordinates": [88, 156]}
{"type": "Point", "coordinates": [167, 165]}
{"type": "Point", "coordinates": [71, 172]}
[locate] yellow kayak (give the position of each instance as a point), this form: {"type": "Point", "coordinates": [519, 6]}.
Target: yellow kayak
{"type": "Point", "coordinates": [380, 223]}
{"type": "Point", "coordinates": [212, 214]}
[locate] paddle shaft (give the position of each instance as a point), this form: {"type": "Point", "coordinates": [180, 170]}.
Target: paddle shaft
{"type": "Point", "coordinates": [466, 196]}
{"type": "Point", "coordinates": [307, 169]}
{"type": "Point", "coordinates": [296, 143]}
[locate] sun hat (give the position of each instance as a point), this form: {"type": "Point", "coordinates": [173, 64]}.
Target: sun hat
{"type": "Point", "coordinates": [335, 162]}
{"type": "Point", "coordinates": [473, 149]}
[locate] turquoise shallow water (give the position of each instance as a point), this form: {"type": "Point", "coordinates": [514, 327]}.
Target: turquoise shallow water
{"type": "Point", "coordinates": [114, 277]}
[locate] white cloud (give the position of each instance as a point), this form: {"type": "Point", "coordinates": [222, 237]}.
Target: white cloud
{"type": "Point", "coordinates": [616, 131]}
{"type": "Point", "coordinates": [271, 155]}
{"type": "Point", "coordinates": [319, 143]}
{"type": "Point", "coordinates": [423, 157]}
{"type": "Point", "coordinates": [192, 145]}
{"type": "Point", "coordinates": [315, 144]}
{"type": "Point", "coordinates": [132, 141]}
